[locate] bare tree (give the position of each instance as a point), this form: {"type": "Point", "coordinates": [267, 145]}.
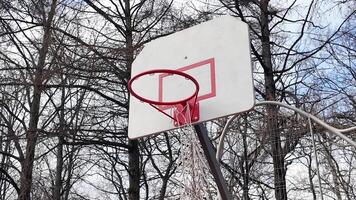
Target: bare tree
{"type": "Point", "coordinates": [281, 62]}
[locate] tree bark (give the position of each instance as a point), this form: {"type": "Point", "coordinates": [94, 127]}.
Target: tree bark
{"type": "Point", "coordinates": [133, 150]}
{"type": "Point", "coordinates": [134, 171]}
{"type": "Point", "coordinates": [59, 165]}
{"type": "Point", "coordinates": [336, 187]}
{"type": "Point", "coordinates": [31, 134]}
{"type": "Point", "coordinates": [245, 163]}
{"type": "Point", "coordinates": [272, 111]}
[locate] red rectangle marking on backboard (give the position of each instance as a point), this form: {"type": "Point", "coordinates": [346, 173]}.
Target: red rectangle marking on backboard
{"type": "Point", "coordinates": [212, 92]}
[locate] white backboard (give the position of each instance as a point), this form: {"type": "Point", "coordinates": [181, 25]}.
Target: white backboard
{"type": "Point", "coordinates": [216, 53]}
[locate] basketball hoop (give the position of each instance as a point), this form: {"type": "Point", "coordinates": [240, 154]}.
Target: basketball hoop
{"type": "Point", "coordinates": [186, 108]}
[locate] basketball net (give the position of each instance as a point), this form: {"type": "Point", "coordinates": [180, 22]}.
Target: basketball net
{"type": "Point", "coordinates": [194, 178]}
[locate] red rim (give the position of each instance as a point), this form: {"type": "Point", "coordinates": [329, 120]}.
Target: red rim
{"type": "Point", "coordinates": [163, 103]}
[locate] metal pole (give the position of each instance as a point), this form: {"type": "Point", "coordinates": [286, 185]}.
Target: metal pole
{"type": "Point", "coordinates": [316, 159]}
{"type": "Point", "coordinates": [213, 163]}
{"type": "Point", "coordinates": [333, 130]}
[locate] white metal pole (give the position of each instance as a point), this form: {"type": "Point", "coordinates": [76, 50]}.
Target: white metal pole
{"type": "Point", "coordinates": [338, 132]}
{"type": "Point", "coordinates": [316, 158]}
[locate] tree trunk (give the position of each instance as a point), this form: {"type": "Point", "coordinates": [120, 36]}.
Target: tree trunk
{"type": "Point", "coordinates": [310, 176]}
{"type": "Point", "coordinates": [134, 170]}
{"type": "Point", "coordinates": [334, 174]}
{"type": "Point", "coordinates": [70, 169]}
{"type": "Point", "coordinates": [59, 168]}
{"type": "Point", "coordinates": [272, 111]}
{"type": "Point", "coordinates": [133, 151]}
{"type": "Point", "coordinates": [245, 164]}
{"type": "Point", "coordinates": [31, 134]}
{"type": "Point", "coordinates": [59, 165]}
